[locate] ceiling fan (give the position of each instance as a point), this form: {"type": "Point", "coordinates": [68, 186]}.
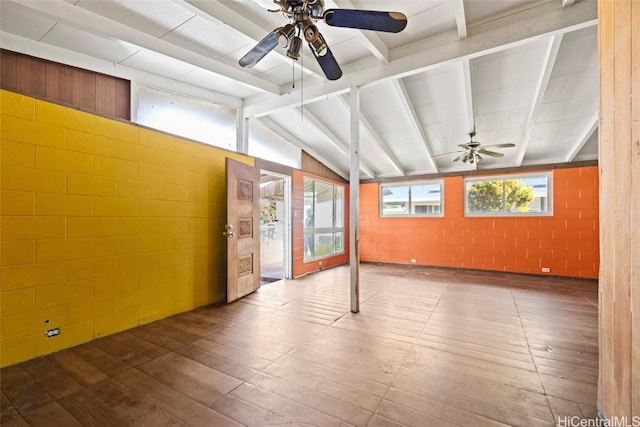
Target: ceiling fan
{"type": "Point", "coordinates": [473, 151]}
{"type": "Point", "coordinates": [302, 15]}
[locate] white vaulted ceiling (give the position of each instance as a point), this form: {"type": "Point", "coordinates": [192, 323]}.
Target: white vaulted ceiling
{"type": "Point", "coordinates": [519, 71]}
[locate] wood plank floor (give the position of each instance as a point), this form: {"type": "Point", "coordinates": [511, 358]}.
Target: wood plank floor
{"type": "Point", "coordinates": [430, 347]}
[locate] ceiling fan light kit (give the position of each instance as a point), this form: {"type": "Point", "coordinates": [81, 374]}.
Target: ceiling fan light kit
{"type": "Point", "coordinates": [294, 48]}
{"type": "Point", "coordinates": [284, 34]}
{"type": "Point", "coordinates": [303, 14]}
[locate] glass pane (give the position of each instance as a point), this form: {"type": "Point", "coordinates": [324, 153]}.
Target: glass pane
{"type": "Point", "coordinates": [484, 196]}
{"type": "Point", "coordinates": [308, 203]}
{"type": "Point", "coordinates": [191, 118]}
{"type": "Point", "coordinates": [518, 195]}
{"type": "Point", "coordinates": [395, 200]}
{"type": "Point", "coordinates": [338, 243]}
{"type": "Point", "coordinates": [309, 251]}
{"type": "Point", "coordinates": [511, 195]}
{"type": "Point", "coordinates": [323, 207]}
{"type": "Point", "coordinates": [540, 187]}
{"type": "Point", "coordinates": [323, 244]}
{"type": "Point", "coordinates": [339, 207]}
{"type": "Point", "coordinates": [426, 199]}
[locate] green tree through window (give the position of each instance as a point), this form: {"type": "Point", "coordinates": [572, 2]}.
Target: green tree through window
{"type": "Point", "coordinates": [510, 195]}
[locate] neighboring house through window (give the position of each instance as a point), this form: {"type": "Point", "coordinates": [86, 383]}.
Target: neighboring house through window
{"type": "Point", "coordinates": [412, 199]}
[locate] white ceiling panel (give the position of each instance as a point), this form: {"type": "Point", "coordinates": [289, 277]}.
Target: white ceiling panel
{"type": "Point", "coordinates": [577, 53]}
{"type": "Point", "coordinates": [479, 10]}
{"type": "Point", "coordinates": [76, 40]}
{"type": "Point", "coordinates": [429, 18]}
{"type": "Point", "coordinates": [204, 36]}
{"type": "Point", "coordinates": [208, 80]}
{"type": "Point", "coordinates": [152, 62]}
{"type": "Point", "coordinates": [551, 134]}
{"type": "Point", "coordinates": [18, 20]}
{"type": "Point", "coordinates": [151, 16]}
{"type": "Point", "coordinates": [567, 86]}
{"type": "Point", "coordinates": [510, 67]}
{"type": "Point", "coordinates": [504, 99]}
{"type": "Point", "coordinates": [566, 110]}
{"type": "Point", "coordinates": [589, 150]}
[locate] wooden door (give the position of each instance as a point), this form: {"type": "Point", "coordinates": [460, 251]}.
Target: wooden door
{"type": "Point", "coordinates": [242, 229]}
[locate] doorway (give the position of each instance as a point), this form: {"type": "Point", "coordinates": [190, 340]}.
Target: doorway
{"type": "Point", "coordinates": [275, 227]}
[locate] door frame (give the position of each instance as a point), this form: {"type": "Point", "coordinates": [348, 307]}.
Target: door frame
{"type": "Point", "coordinates": [287, 226]}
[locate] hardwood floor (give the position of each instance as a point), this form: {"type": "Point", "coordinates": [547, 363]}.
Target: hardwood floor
{"type": "Point", "coordinates": [430, 347]}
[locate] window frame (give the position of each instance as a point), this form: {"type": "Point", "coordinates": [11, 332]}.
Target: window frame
{"type": "Point", "coordinates": [333, 230]}
{"type": "Point", "coordinates": [410, 184]}
{"type": "Point", "coordinates": [503, 178]}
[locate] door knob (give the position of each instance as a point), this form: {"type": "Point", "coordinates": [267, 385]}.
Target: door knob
{"type": "Point", "coordinates": [228, 230]}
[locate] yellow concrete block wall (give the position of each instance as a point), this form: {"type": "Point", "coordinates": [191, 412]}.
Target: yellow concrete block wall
{"type": "Point", "coordinates": [105, 226]}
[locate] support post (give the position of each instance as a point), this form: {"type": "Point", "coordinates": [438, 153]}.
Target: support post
{"type": "Point", "coordinates": [354, 199]}
{"type": "Point", "coordinates": [242, 137]}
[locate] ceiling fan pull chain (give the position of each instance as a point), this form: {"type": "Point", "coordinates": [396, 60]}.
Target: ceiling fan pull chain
{"type": "Point", "coordinates": [301, 87]}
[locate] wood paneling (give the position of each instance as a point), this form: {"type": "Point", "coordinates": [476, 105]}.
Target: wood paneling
{"type": "Point", "coordinates": [430, 347]}
{"type": "Point", "coordinates": [59, 84]}
{"type": "Point", "coordinates": [313, 166]}
{"type": "Point", "coordinates": [619, 145]}
{"type": "Point", "coordinates": [31, 75]}
{"type": "Point", "coordinates": [105, 95]}
{"type": "Point", "coordinates": [634, 197]}
{"type": "Point", "coordinates": [123, 99]}
{"type": "Point", "coordinates": [9, 70]}
{"type": "Point", "coordinates": [84, 89]}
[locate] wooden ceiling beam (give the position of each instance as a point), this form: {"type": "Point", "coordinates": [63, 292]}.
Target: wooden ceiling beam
{"type": "Point", "coordinates": [414, 120]}
{"type": "Point", "coordinates": [553, 46]}
{"type": "Point", "coordinates": [582, 139]}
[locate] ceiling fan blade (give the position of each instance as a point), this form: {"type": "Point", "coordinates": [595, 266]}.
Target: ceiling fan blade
{"type": "Point", "coordinates": [328, 63]}
{"type": "Point", "coordinates": [490, 153]}
{"type": "Point", "coordinates": [506, 145]}
{"type": "Point", "coordinates": [390, 22]}
{"type": "Point", "coordinates": [260, 50]}
{"type": "Point", "coordinates": [447, 153]}
{"type": "Point", "coordinates": [459, 157]}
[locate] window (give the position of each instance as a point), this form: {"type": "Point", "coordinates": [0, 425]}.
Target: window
{"type": "Point", "coordinates": [196, 119]}
{"type": "Point", "coordinates": [323, 219]}
{"type": "Point", "coordinates": [419, 199]}
{"type": "Point", "coordinates": [508, 195]}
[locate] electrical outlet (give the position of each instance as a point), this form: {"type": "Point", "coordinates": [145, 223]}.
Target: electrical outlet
{"type": "Point", "coordinates": [413, 260]}
{"type": "Point", "coordinates": [546, 270]}
{"type": "Point", "coordinates": [52, 333]}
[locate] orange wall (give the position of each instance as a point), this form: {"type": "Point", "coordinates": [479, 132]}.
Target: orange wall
{"type": "Point", "coordinates": [566, 242]}
{"type": "Point", "coordinates": [299, 266]}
